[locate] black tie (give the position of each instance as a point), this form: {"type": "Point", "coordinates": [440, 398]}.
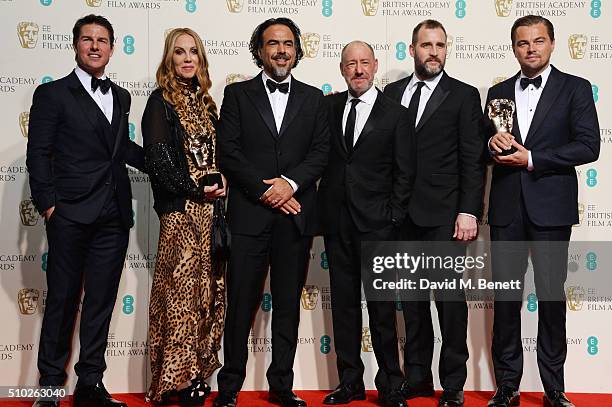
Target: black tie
{"type": "Point", "coordinates": [413, 107]}
{"type": "Point", "coordinates": [349, 129]}
{"type": "Point", "coordinates": [537, 82]}
{"type": "Point", "coordinates": [273, 86]}
{"type": "Point", "coordinates": [103, 84]}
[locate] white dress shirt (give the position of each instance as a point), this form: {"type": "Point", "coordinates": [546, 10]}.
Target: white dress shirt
{"type": "Point", "coordinates": [362, 110]}
{"type": "Point", "coordinates": [426, 91]}
{"type": "Point", "coordinates": [526, 103]}
{"type": "Point", "coordinates": [104, 102]}
{"type": "Point", "coordinates": [278, 102]}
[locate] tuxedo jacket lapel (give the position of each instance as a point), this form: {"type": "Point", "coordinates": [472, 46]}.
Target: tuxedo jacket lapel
{"type": "Point", "coordinates": [435, 100]}
{"type": "Point", "coordinates": [293, 104]}
{"type": "Point", "coordinates": [337, 129]}
{"type": "Point", "coordinates": [370, 124]}
{"type": "Point", "coordinates": [91, 110]}
{"type": "Point", "coordinates": [554, 84]}
{"type": "Point", "coordinates": [120, 116]}
{"type": "Point", "coordinates": [398, 92]}
{"type": "Point", "coordinates": [508, 92]}
{"type": "Point", "coordinates": [259, 97]}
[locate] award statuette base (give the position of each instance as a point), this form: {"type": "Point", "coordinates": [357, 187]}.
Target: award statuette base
{"type": "Point", "coordinates": [511, 150]}
{"type": "Point", "coordinates": [213, 178]}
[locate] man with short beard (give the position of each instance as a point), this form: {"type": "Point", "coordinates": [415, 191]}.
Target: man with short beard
{"type": "Point", "coordinates": [444, 206]}
{"type": "Point", "coordinates": [273, 147]}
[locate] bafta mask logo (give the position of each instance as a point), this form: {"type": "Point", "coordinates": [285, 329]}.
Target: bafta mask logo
{"type": "Point", "coordinates": [27, 212]}
{"type": "Point", "coordinates": [94, 3]}
{"type": "Point", "coordinates": [498, 79]}
{"type": "Point", "coordinates": [575, 298]}
{"type": "Point", "coordinates": [28, 300]}
{"type": "Point", "coordinates": [577, 44]}
{"type": "Point", "coordinates": [311, 43]}
{"type": "Point", "coordinates": [310, 296]}
{"type": "Point", "coordinates": [369, 7]}
{"type": "Point", "coordinates": [235, 6]}
{"type": "Point", "coordinates": [450, 40]}
{"type": "Point", "coordinates": [24, 121]}
{"type": "Point", "coordinates": [503, 7]}
{"type": "Point", "coordinates": [235, 77]}
{"type": "Point", "coordinates": [366, 339]}
{"type": "Point", "coordinates": [28, 34]}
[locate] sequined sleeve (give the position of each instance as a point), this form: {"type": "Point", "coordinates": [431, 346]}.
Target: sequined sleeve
{"type": "Point", "coordinates": [160, 161]}
{"type": "Point", "coordinates": [164, 172]}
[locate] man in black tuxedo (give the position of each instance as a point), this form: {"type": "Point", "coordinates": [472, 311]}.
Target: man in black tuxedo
{"type": "Point", "coordinates": [445, 117]}
{"type": "Point", "coordinates": [534, 198]}
{"type": "Point", "coordinates": [273, 145]}
{"type": "Point", "coordinates": [363, 196]}
{"type": "Point", "coordinates": [78, 146]}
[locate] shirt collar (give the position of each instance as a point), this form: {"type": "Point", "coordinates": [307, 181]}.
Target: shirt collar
{"type": "Point", "coordinates": [265, 77]}
{"type": "Point", "coordinates": [545, 74]}
{"type": "Point", "coordinates": [430, 83]}
{"type": "Point", "coordinates": [369, 97]}
{"type": "Point", "coordinates": [84, 77]}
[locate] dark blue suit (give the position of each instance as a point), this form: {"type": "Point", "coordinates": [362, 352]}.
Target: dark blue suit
{"type": "Point", "coordinates": [530, 207]}
{"type": "Point", "coordinates": [76, 161]}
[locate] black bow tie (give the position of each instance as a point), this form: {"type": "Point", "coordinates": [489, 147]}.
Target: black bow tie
{"type": "Point", "coordinates": [537, 82]}
{"type": "Point", "coordinates": [273, 86]}
{"type": "Point", "coordinates": [103, 84]}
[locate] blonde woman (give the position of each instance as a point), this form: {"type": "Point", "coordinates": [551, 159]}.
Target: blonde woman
{"type": "Point", "coordinates": [188, 295]}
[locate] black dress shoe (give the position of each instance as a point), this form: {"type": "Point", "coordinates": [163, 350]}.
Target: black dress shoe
{"type": "Point", "coordinates": [286, 398]}
{"type": "Point", "coordinates": [556, 399]}
{"type": "Point", "coordinates": [419, 390]}
{"type": "Point", "coordinates": [451, 398]}
{"type": "Point", "coordinates": [226, 399]}
{"type": "Point", "coordinates": [94, 396]}
{"type": "Point", "coordinates": [345, 394]}
{"type": "Point", "coordinates": [505, 397]}
{"type": "Point", "coordinates": [393, 398]}
{"type": "Point", "coordinates": [46, 403]}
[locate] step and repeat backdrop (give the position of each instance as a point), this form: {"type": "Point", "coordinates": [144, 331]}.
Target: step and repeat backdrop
{"type": "Point", "coordinates": [36, 48]}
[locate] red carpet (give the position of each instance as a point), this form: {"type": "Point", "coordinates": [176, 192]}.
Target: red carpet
{"type": "Point", "coordinates": [314, 399]}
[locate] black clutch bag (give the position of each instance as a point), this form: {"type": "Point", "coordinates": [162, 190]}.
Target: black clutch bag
{"type": "Point", "coordinates": [221, 237]}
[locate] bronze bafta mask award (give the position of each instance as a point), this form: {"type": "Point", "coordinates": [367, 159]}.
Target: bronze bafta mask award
{"type": "Point", "coordinates": [202, 151]}
{"type": "Point", "coordinates": [501, 114]}
{"type": "Point", "coordinates": [198, 147]}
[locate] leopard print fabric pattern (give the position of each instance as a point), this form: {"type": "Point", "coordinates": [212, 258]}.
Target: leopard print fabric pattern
{"type": "Point", "coordinates": [187, 307]}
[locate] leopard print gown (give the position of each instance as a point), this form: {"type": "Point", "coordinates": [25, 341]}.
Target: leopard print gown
{"type": "Point", "coordinates": [187, 307]}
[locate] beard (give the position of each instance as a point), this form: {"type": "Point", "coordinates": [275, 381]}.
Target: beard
{"type": "Point", "coordinates": [425, 72]}
{"type": "Point", "coordinates": [281, 72]}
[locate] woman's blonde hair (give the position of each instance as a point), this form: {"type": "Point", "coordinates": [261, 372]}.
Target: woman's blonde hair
{"type": "Point", "coordinates": [168, 80]}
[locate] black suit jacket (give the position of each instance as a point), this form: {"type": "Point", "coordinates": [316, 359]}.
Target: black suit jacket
{"type": "Point", "coordinates": [564, 133]}
{"type": "Point", "coordinates": [375, 180]}
{"type": "Point", "coordinates": [450, 170]}
{"type": "Point", "coordinates": [251, 150]}
{"type": "Point", "coordinates": [75, 157]}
